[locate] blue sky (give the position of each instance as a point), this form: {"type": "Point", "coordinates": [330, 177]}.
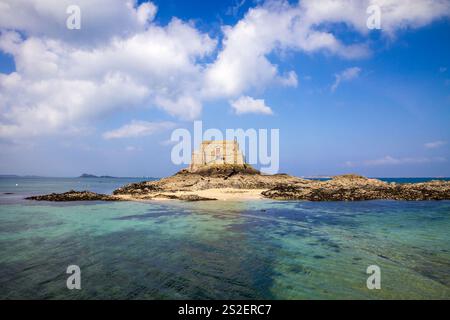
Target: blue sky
{"type": "Point", "coordinates": [373, 102]}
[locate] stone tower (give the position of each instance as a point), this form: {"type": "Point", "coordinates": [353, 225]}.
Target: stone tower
{"type": "Point", "coordinates": [217, 153]}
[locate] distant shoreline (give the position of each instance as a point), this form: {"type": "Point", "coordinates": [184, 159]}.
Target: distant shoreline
{"type": "Point", "coordinates": [10, 176]}
{"type": "Point", "coordinates": [387, 179]}
{"type": "Point", "coordinates": [242, 182]}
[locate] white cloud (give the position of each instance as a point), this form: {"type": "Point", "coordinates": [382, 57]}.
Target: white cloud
{"type": "Point", "coordinates": [388, 160]}
{"type": "Point", "coordinates": [276, 26]}
{"type": "Point", "coordinates": [435, 144]}
{"type": "Point", "coordinates": [395, 14]}
{"type": "Point", "coordinates": [346, 75]}
{"type": "Point", "coordinates": [306, 27]}
{"type": "Point", "coordinates": [120, 59]}
{"type": "Point", "coordinates": [392, 161]}
{"type": "Point", "coordinates": [249, 105]}
{"type": "Point", "coordinates": [289, 80]}
{"type": "Point", "coordinates": [146, 12]}
{"type": "Point", "coordinates": [100, 19]}
{"type": "Point", "coordinates": [132, 148]}
{"type": "Point", "coordinates": [186, 106]}
{"type": "Point", "coordinates": [59, 84]}
{"type": "Point", "coordinates": [234, 9]}
{"type": "Point", "coordinates": [32, 108]}
{"type": "Point", "coordinates": [138, 129]}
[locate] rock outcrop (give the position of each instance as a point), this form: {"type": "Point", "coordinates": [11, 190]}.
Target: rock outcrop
{"type": "Point", "coordinates": [357, 188]}
{"type": "Point", "coordinates": [183, 197]}
{"type": "Point", "coordinates": [238, 179]}
{"type": "Point", "coordinates": [73, 195]}
{"type": "Point", "coordinates": [213, 177]}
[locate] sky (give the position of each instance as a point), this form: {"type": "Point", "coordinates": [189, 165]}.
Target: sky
{"type": "Point", "coordinates": [105, 98]}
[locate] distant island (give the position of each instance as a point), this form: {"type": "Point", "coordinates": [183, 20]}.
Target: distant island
{"type": "Point", "coordinates": [84, 175]}
{"type": "Point", "coordinates": [87, 175]}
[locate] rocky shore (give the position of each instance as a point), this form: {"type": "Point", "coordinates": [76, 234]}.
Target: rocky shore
{"type": "Point", "coordinates": [212, 177]}
{"type": "Point", "coordinates": [357, 188]}
{"type": "Point", "coordinates": [73, 195]}
{"type": "Point", "coordinates": [237, 182]}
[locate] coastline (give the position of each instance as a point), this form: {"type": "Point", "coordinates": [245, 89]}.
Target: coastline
{"type": "Point", "coordinates": [242, 183]}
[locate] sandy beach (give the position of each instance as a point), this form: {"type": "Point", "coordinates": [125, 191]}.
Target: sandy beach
{"type": "Point", "coordinates": [226, 194]}
{"type": "Point", "coordinates": [223, 194]}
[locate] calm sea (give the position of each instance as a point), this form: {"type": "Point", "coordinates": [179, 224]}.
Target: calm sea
{"type": "Point", "coordinates": [218, 250]}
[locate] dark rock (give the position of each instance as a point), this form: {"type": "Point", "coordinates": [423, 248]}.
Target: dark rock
{"type": "Point", "coordinates": [223, 170]}
{"type": "Point", "coordinates": [189, 197]}
{"type": "Point", "coordinates": [349, 187]}
{"type": "Point", "coordinates": [139, 188]}
{"type": "Point", "coordinates": [215, 177]}
{"type": "Point", "coordinates": [87, 175]}
{"type": "Point", "coordinates": [73, 195]}
{"type": "Point", "coordinates": [357, 188]}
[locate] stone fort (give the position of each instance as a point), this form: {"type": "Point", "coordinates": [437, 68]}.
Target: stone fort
{"type": "Point", "coordinates": [217, 152]}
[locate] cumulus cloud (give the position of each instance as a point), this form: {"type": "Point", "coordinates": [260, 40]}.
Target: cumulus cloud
{"type": "Point", "coordinates": [138, 129]}
{"type": "Point", "coordinates": [346, 75]}
{"type": "Point", "coordinates": [395, 14]}
{"type": "Point", "coordinates": [249, 105]}
{"type": "Point", "coordinates": [435, 144]}
{"type": "Point", "coordinates": [146, 12]}
{"type": "Point", "coordinates": [101, 20]}
{"type": "Point", "coordinates": [305, 27]}
{"type": "Point", "coordinates": [121, 58]}
{"type": "Point", "coordinates": [276, 26]}
{"type": "Point", "coordinates": [57, 84]}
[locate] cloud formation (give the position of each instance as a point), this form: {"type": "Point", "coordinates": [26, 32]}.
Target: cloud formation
{"type": "Point", "coordinates": [435, 144]}
{"type": "Point", "coordinates": [249, 105]}
{"type": "Point", "coordinates": [101, 20]}
{"type": "Point", "coordinates": [389, 161]}
{"type": "Point", "coordinates": [121, 59]}
{"type": "Point", "coordinates": [346, 75]}
{"type": "Point", "coordinates": [138, 129]}
{"type": "Point", "coordinates": [57, 84]}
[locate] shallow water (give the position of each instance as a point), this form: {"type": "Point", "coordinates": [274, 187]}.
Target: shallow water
{"type": "Point", "coordinates": [220, 250]}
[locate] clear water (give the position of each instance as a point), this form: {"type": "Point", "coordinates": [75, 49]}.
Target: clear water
{"type": "Point", "coordinates": [218, 250]}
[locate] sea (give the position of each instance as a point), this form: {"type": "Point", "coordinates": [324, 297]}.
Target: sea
{"type": "Point", "coordinates": [218, 250]}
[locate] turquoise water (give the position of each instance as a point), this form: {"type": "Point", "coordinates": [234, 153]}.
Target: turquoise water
{"type": "Point", "coordinates": [218, 250]}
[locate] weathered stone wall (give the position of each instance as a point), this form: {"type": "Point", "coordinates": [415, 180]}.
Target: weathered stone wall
{"type": "Point", "coordinates": [217, 152]}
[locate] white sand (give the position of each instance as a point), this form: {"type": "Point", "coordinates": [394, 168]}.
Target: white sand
{"type": "Point", "coordinates": [226, 194]}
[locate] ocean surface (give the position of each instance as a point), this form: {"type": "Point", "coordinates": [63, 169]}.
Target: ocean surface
{"type": "Point", "coordinates": [218, 250]}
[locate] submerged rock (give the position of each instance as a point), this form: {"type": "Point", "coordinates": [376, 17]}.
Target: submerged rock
{"type": "Point", "coordinates": [73, 195]}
